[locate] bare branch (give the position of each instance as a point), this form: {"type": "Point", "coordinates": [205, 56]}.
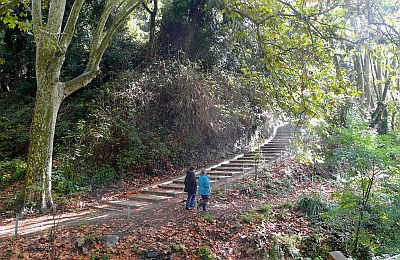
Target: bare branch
{"type": "Point", "coordinates": [101, 42]}
{"type": "Point", "coordinates": [147, 8]}
{"type": "Point", "coordinates": [79, 82]}
{"type": "Point", "coordinates": [56, 15]}
{"type": "Point", "coordinates": [102, 22]}
{"type": "Point", "coordinates": [127, 10]}
{"type": "Point", "coordinates": [69, 28]}
{"type": "Point", "coordinates": [37, 19]}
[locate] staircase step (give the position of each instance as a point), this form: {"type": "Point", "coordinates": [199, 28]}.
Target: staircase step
{"type": "Point", "coordinates": [125, 203]}
{"type": "Point", "coordinates": [227, 169]}
{"type": "Point", "coordinates": [249, 162]}
{"type": "Point", "coordinates": [274, 145]}
{"type": "Point", "coordinates": [182, 181]}
{"type": "Point", "coordinates": [163, 192]}
{"type": "Point", "coordinates": [172, 186]}
{"type": "Point", "coordinates": [218, 173]}
{"type": "Point", "coordinates": [219, 177]}
{"type": "Point", "coordinates": [250, 157]}
{"type": "Point", "coordinates": [109, 208]}
{"type": "Point", "coordinates": [270, 149]}
{"type": "Point", "coordinates": [237, 165]}
{"type": "Point", "coordinates": [148, 198]}
{"type": "Point", "coordinates": [264, 152]}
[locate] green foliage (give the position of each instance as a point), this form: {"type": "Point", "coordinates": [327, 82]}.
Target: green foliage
{"type": "Point", "coordinates": [12, 171]}
{"type": "Point", "coordinates": [251, 188]}
{"type": "Point", "coordinates": [312, 206]}
{"type": "Point", "coordinates": [265, 208]}
{"type": "Point", "coordinates": [104, 174]}
{"type": "Point", "coordinates": [361, 218]}
{"type": "Point", "coordinates": [259, 214]}
{"type": "Point", "coordinates": [177, 247]}
{"type": "Point", "coordinates": [285, 55]}
{"type": "Point", "coordinates": [196, 30]}
{"type": "Point", "coordinates": [209, 218]}
{"type": "Point", "coordinates": [134, 248]}
{"type": "Point", "coordinates": [15, 16]}
{"type": "Point", "coordinates": [14, 125]}
{"type": "Point", "coordinates": [315, 246]}
{"type": "Point", "coordinates": [285, 247]}
{"type": "Point", "coordinates": [205, 253]}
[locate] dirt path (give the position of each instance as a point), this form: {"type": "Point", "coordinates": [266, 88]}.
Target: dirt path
{"type": "Point", "coordinates": [233, 228]}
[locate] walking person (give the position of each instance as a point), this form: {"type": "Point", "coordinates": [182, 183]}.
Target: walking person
{"type": "Point", "coordinates": [204, 189]}
{"type": "Point", "coordinates": [190, 188]}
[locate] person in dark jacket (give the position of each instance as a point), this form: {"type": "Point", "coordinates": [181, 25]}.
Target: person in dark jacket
{"type": "Point", "coordinates": [190, 188]}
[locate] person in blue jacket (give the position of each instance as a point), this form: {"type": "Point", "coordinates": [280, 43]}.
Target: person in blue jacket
{"type": "Point", "coordinates": [204, 189]}
{"type": "Point", "coordinates": [190, 188]}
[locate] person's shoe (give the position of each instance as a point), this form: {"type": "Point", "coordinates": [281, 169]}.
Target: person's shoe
{"type": "Point", "coordinates": [188, 208]}
{"type": "Point", "coordinates": [205, 210]}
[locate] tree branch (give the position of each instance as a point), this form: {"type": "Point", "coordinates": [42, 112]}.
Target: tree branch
{"type": "Point", "coordinates": [79, 82]}
{"type": "Point", "coordinates": [110, 32]}
{"type": "Point", "coordinates": [56, 15]}
{"type": "Point", "coordinates": [69, 28]}
{"type": "Point", "coordinates": [147, 8]}
{"type": "Point", "coordinates": [102, 22]}
{"type": "Point", "coordinates": [98, 48]}
{"type": "Point", "coordinates": [37, 19]}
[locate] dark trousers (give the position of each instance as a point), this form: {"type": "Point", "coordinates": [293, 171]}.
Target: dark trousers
{"type": "Point", "coordinates": [203, 202]}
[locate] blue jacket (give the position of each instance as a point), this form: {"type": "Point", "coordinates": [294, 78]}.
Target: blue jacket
{"type": "Point", "coordinates": [204, 185]}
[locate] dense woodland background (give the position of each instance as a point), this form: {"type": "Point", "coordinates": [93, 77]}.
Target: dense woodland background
{"type": "Point", "coordinates": [190, 82]}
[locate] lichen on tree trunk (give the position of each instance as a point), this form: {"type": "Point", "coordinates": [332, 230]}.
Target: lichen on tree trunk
{"type": "Point", "coordinates": [37, 191]}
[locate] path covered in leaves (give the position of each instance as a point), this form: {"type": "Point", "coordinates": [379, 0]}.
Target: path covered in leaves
{"type": "Point", "coordinates": [245, 218]}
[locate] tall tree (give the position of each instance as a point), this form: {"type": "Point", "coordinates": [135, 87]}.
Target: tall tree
{"type": "Point", "coordinates": [52, 39]}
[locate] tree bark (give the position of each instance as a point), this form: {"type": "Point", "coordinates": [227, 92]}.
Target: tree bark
{"type": "Point", "coordinates": [153, 15]}
{"type": "Point", "coordinates": [366, 74]}
{"type": "Point", "coordinates": [49, 95]}
{"type": "Point", "coordinates": [37, 193]}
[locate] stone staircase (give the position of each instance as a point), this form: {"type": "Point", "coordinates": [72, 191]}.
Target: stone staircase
{"type": "Point", "coordinates": [218, 174]}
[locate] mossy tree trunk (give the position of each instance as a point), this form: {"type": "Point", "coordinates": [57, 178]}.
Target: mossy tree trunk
{"type": "Point", "coordinates": [52, 41]}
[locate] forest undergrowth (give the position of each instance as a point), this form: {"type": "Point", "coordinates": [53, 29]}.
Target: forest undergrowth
{"type": "Point", "coordinates": [248, 219]}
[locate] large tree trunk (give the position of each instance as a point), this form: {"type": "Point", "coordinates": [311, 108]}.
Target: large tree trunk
{"type": "Point", "coordinates": [49, 95]}
{"type": "Point", "coordinates": [38, 177]}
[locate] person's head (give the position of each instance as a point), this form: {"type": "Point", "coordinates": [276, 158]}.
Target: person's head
{"type": "Point", "coordinates": [191, 168]}
{"type": "Point", "coordinates": [203, 171]}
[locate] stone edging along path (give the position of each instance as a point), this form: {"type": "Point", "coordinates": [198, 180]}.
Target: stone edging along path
{"type": "Point", "coordinates": [231, 169]}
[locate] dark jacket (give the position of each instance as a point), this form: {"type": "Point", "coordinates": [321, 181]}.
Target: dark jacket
{"type": "Point", "coordinates": [190, 182]}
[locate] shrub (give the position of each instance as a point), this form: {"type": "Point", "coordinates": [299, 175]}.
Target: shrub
{"type": "Point", "coordinates": [205, 253]}
{"type": "Point", "coordinates": [12, 171]}
{"type": "Point", "coordinates": [312, 206]}
{"type": "Point", "coordinates": [209, 218]}
{"type": "Point", "coordinates": [265, 208]}
{"type": "Point", "coordinates": [104, 175]}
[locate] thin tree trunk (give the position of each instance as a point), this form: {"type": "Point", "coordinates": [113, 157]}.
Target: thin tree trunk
{"type": "Point", "coordinates": [366, 73]}
{"type": "Point", "coordinates": [359, 71]}
{"type": "Point", "coordinates": [153, 16]}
